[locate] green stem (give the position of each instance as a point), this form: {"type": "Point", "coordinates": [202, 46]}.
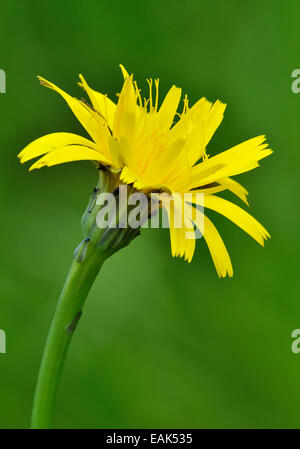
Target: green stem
{"type": "Point", "coordinates": [84, 269]}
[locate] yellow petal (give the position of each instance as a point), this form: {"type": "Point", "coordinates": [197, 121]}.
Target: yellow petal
{"type": "Point", "coordinates": [189, 234]}
{"type": "Point", "coordinates": [51, 142]}
{"type": "Point", "coordinates": [128, 176]}
{"type": "Point", "coordinates": [127, 112]}
{"type": "Point", "coordinates": [83, 113]}
{"type": "Point", "coordinates": [168, 108]}
{"type": "Point", "coordinates": [124, 71]}
{"type": "Point", "coordinates": [225, 184]}
{"type": "Point", "coordinates": [236, 188]}
{"type": "Point", "coordinates": [191, 121]}
{"type": "Point", "coordinates": [181, 245]}
{"type": "Point", "coordinates": [100, 102]}
{"type": "Point", "coordinates": [238, 216]}
{"type": "Point", "coordinates": [68, 154]}
{"type": "Point", "coordinates": [213, 119]}
{"type": "Point", "coordinates": [198, 126]}
{"type": "Point", "coordinates": [217, 249]}
{"type": "Point", "coordinates": [166, 165]}
{"type": "Point", "coordinates": [239, 159]}
{"type": "Point", "coordinates": [174, 232]}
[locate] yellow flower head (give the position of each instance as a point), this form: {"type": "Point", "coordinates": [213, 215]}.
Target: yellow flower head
{"type": "Point", "coordinates": [155, 148]}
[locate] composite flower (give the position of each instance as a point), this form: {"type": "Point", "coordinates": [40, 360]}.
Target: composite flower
{"type": "Point", "coordinates": [156, 148]}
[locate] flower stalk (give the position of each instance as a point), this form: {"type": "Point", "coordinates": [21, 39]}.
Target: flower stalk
{"type": "Point", "coordinates": [84, 269]}
{"type": "Point", "coordinates": [100, 243]}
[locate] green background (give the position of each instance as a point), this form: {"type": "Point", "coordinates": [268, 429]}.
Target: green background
{"type": "Point", "coordinates": [162, 343]}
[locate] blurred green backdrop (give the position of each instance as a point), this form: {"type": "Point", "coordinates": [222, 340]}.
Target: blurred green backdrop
{"type": "Point", "coordinates": [162, 343]}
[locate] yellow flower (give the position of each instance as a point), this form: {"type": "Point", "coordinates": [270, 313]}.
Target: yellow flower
{"type": "Point", "coordinates": [153, 151]}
